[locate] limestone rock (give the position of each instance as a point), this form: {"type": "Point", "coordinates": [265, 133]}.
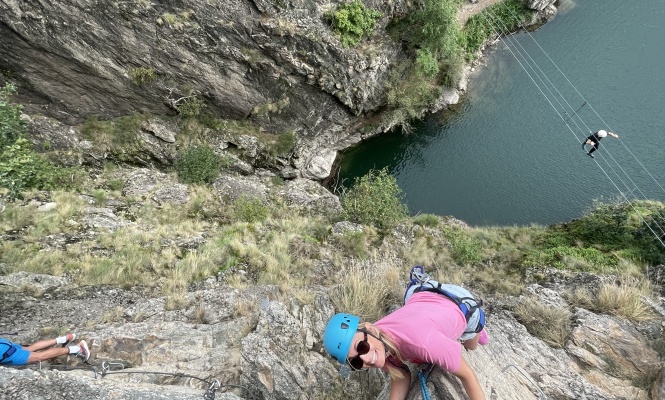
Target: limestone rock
{"type": "Point", "coordinates": [311, 195]}
{"type": "Point", "coordinates": [617, 343]}
{"type": "Point", "coordinates": [658, 388]}
{"type": "Point", "coordinates": [104, 218]}
{"type": "Point", "coordinates": [233, 188]}
{"type": "Point", "coordinates": [57, 385]}
{"type": "Point", "coordinates": [142, 181]}
{"type": "Point", "coordinates": [159, 129]}
{"type": "Point", "coordinates": [175, 194]}
{"type": "Point", "coordinates": [539, 5]}
{"type": "Point", "coordinates": [40, 282]}
{"type": "Point", "coordinates": [342, 227]}
{"type": "Point", "coordinates": [320, 165]}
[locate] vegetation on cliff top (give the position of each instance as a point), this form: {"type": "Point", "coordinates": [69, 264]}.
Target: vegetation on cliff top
{"type": "Point", "coordinates": [21, 168]}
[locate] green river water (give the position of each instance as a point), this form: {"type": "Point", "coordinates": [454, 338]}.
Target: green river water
{"type": "Point", "coordinates": [506, 157]}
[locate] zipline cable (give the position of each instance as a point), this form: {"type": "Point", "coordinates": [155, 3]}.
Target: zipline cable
{"type": "Point", "coordinates": [565, 122]}
{"type": "Point", "coordinates": [509, 40]}
{"type": "Point", "coordinates": [505, 32]}
{"type": "Point", "coordinates": [580, 94]}
{"type": "Point", "coordinates": [519, 22]}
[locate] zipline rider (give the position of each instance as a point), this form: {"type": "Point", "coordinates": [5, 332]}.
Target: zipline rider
{"type": "Point", "coordinates": [594, 140]}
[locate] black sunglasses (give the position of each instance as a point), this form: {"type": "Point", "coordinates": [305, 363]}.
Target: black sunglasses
{"type": "Point", "coordinates": [362, 348]}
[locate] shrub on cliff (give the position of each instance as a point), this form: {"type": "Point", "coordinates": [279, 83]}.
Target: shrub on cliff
{"type": "Point", "coordinates": [435, 38]}
{"type": "Point", "coordinates": [197, 164]}
{"type": "Point", "coordinates": [495, 19]}
{"type": "Point", "coordinates": [353, 21]}
{"type": "Point", "coordinates": [11, 124]}
{"type": "Point", "coordinates": [609, 232]}
{"type": "Point", "coordinates": [374, 199]}
{"type": "Point", "coordinates": [21, 168]}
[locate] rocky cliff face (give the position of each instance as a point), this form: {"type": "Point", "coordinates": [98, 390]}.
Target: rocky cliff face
{"type": "Point", "coordinates": [274, 350]}
{"type": "Point", "coordinates": [275, 63]}
{"type": "Point", "coordinates": [272, 63]}
{"type": "Point", "coordinates": [230, 329]}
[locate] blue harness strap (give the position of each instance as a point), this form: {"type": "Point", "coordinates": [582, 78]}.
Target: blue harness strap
{"type": "Point", "coordinates": [421, 282]}
{"type": "Point", "coordinates": [466, 309]}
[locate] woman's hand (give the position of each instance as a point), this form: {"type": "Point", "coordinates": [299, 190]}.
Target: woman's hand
{"type": "Point", "coordinates": [399, 388]}
{"type": "Point", "coordinates": [469, 381]}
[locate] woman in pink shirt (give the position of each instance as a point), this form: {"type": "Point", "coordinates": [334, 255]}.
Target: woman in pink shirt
{"type": "Point", "coordinates": [427, 329]}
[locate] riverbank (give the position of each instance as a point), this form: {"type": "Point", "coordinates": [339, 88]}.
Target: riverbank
{"type": "Point", "coordinates": [469, 9]}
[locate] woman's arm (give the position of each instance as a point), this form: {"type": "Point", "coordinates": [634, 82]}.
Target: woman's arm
{"type": "Point", "coordinates": [399, 388]}
{"type": "Point", "coordinates": [469, 381]}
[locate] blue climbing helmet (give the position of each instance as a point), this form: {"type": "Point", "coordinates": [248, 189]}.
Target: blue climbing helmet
{"type": "Point", "coordinates": [339, 334]}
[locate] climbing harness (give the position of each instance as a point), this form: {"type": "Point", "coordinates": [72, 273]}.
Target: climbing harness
{"type": "Point", "coordinates": [209, 394]}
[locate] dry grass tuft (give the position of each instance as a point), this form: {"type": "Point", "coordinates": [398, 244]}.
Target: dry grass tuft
{"type": "Point", "coordinates": [199, 315]}
{"type": "Point", "coordinates": [244, 308]}
{"type": "Point", "coordinates": [624, 298]}
{"type": "Point", "coordinates": [303, 295]}
{"type": "Point", "coordinates": [365, 290]}
{"type": "Point", "coordinates": [176, 301]}
{"type": "Point", "coordinates": [551, 324]}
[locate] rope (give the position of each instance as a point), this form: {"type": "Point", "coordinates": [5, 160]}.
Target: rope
{"type": "Point", "coordinates": [423, 386]}
{"type": "Point", "coordinates": [487, 17]}
{"type": "Point", "coordinates": [423, 377]}
{"type": "Point", "coordinates": [581, 96]}
{"type": "Point", "coordinates": [505, 32]}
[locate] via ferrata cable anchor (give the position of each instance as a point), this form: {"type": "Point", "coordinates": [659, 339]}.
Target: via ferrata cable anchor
{"type": "Point", "coordinates": [210, 393]}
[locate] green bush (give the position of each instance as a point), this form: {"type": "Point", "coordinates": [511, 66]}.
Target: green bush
{"type": "Point", "coordinates": [191, 107]}
{"type": "Point", "coordinates": [610, 231]}
{"type": "Point", "coordinates": [21, 168]}
{"type": "Point", "coordinates": [571, 258]}
{"type": "Point", "coordinates": [508, 15]}
{"type": "Point", "coordinates": [353, 21]}
{"type": "Point", "coordinates": [428, 65]}
{"type": "Point", "coordinates": [142, 76]}
{"type": "Point", "coordinates": [374, 199]}
{"type": "Point", "coordinates": [409, 91]}
{"type": "Point", "coordinates": [197, 165]}
{"type": "Point", "coordinates": [435, 27]}
{"type": "Point", "coordinates": [11, 125]}
{"type": "Point", "coordinates": [247, 209]}
{"type": "Point", "coordinates": [434, 35]}
{"type": "Point", "coordinates": [465, 249]}
{"type": "Point", "coordinates": [430, 220]}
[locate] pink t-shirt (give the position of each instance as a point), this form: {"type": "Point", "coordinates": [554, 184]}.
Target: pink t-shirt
{"type": "Point", "coordinates": [426, 330]}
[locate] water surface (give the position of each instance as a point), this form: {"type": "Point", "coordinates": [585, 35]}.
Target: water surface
{"type": "Point", "coordinates": [505, 157]}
